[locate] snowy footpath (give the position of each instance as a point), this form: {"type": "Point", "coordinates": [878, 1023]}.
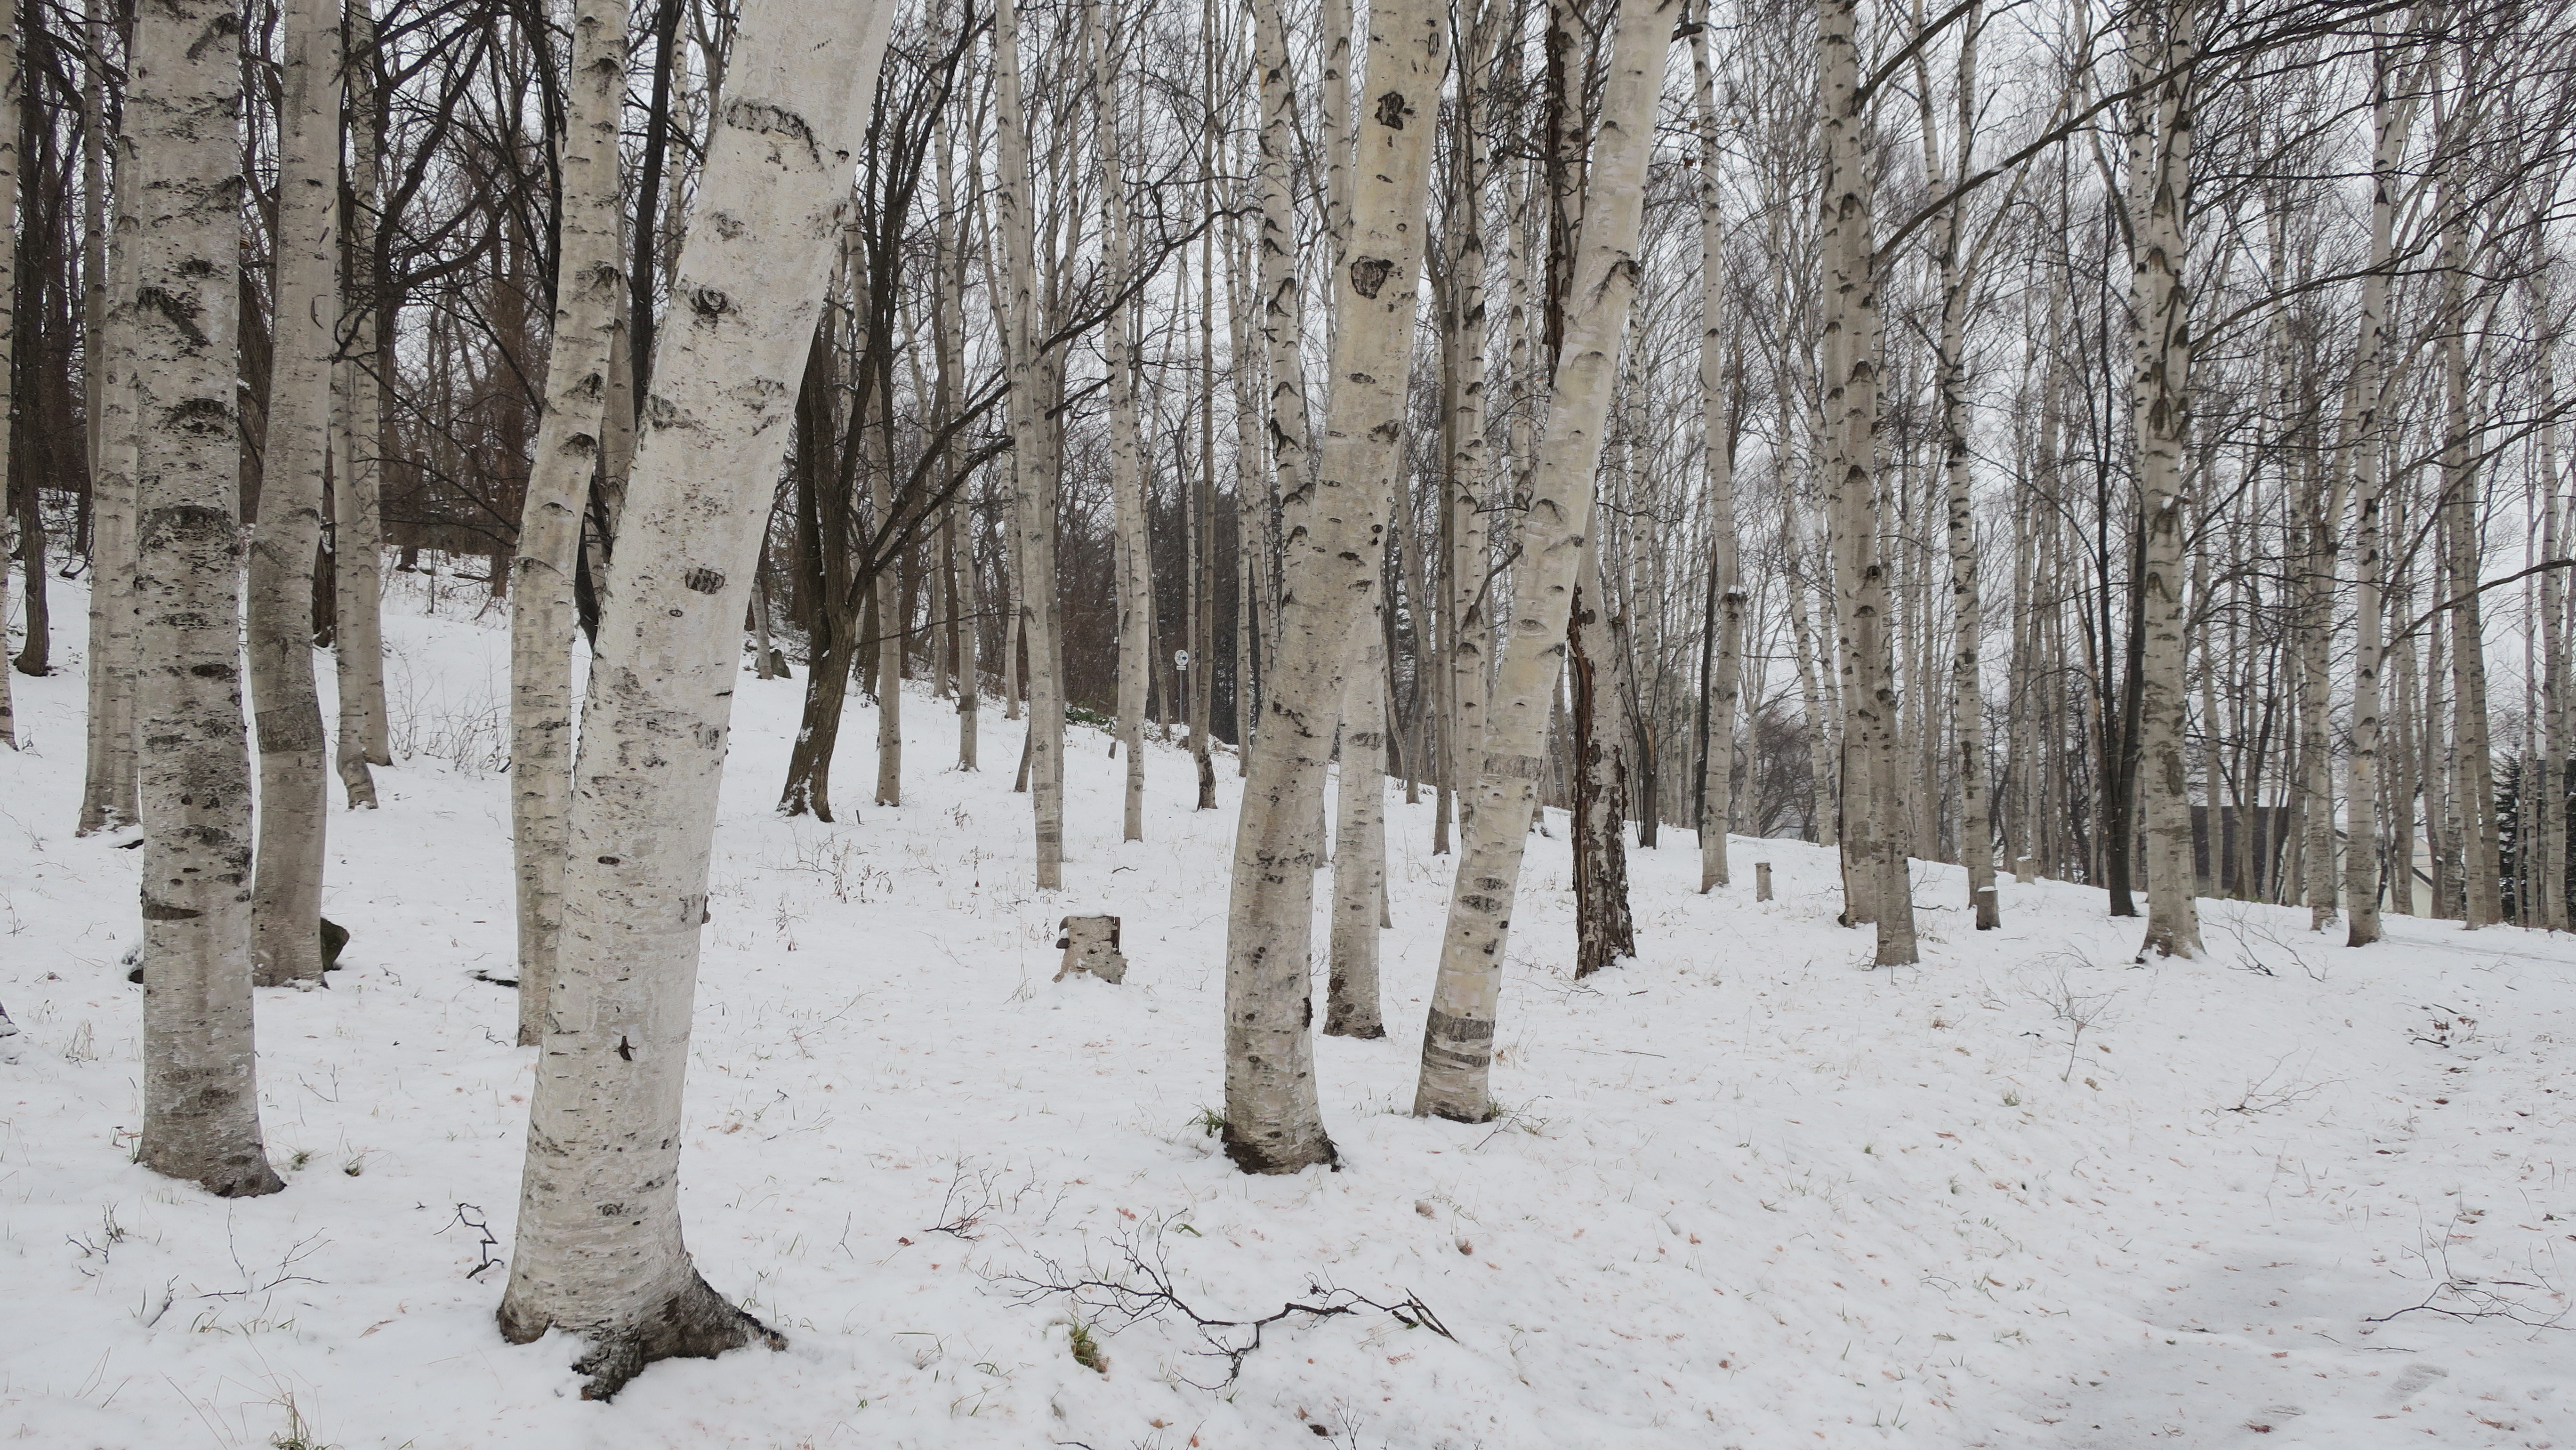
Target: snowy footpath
{"type": "Point", "coordinates": [1746, 1193]}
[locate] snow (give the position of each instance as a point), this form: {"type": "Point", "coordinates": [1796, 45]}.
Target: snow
{"type": "Point", "coordinates": [1747, 1192]}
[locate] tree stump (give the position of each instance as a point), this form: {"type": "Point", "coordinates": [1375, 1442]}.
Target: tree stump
{"type": "Point", "coordinates": [1762, 881]}
{"type": "Point", "coordinates": [1090, 946]}
{"type": "Point", "coordinates": [2025, 870]}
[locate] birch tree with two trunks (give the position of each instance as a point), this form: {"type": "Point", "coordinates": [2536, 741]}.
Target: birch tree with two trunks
{"type": "Point", "coordinates": [1335, 538]}
{"type": "Point", "coordinates": [599, 1250]}
{"type": "Point", "coordinates": [1458, 1033]}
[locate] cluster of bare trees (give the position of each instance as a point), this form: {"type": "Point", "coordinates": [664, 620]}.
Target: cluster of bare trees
{"type": "Point", "coordinates": [2113, 442]}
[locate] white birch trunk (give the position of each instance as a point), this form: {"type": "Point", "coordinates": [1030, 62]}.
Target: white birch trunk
{"type": "Point", "coordinates": [599, 1251]}
{"type": "Point", "coordinates": [2480, 903]}
{"type": "Point", "coordinates": [2163, 39]}
{"type": "Point", "coordinates": [294, 796]}
{"type": "Point", "coordinates": [2551, 885]}
{"type": "Point", "coordinates": [1717, 465]}
{"type": "Point", "coordinates": [365, 732]}
{"type": "Point", "coordinates": [1283, 314]}
{"type": "Point", "coordinates": [1967, 600]}
{"type": "Point", "coordinates": [1335, 546]}
{"type": "Point", "coordinates": [200, 1094]}
{"type": "Point", "coordinates": [949, 299]}
{"type": "Point", "coordinates": [1458, 1038]}
{"type": "Point", "coordinates": [1126, 471]}
{"type": "Point", "coordinates": [1469, 603]}
{"type": "Point", "coordinates": [589, 312]}
{"type": "Point", "coordinates": [1032, 462]}
{"type": "Point", "coordinates": [108, 779]}
{"type": "Point", "coordinates": [1351, 1006]}
{"type": "Point", "coordinates": [1875, 869]}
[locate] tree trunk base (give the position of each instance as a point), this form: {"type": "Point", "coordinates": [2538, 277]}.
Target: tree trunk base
{"type": "Point", "coordinates": [1289, 1157]}
{"type": "Point", "coordinates": [1353, 1024]}
{"type": "Point", "coordinates": [695, 1323]}
{"type": "Point", "coordinates": [236, 1175]}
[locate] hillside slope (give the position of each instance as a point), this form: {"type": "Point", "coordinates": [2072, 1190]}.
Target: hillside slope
{"type": "Point", "coordinates": [1748, 1193]}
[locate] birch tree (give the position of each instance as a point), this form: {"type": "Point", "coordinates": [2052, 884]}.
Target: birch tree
{"type": "Point", "coordinates": [1717, 464]}
{"type": "Point", "coordinates": [1132, 558]}
{"type": "Point", "coordinates": [1032, 460]}
{"type": "Point", "coordinates": [294, 806]}
{"type": "Point", "coordinates": [200, 1089]}
{"type": "Point", "coordinates": [599, 1252]}
{"type": "Point", "coordinates": [364, 736]}
{"type": "Point", "coordinates": [1458, 1035]}
{"type": "Point", "coordinates": [108, 778]}
{"type": "Point", "coordinates": [1335, 545]}
{"type": "Point", "coordinates": [590, 293]}
{"type": "Point", "coordinates": [2163, 45]}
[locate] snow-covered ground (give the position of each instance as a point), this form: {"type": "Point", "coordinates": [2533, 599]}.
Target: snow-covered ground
{"type": "Point", "coordinates": [1748, 1193]}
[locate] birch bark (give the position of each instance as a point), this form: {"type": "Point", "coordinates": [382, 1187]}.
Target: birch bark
{"type": "Point", "coordinates": [1470, 623]}
{"type": "Point", "coordinates": [599, 1253]}
{"type": "Point", "coordinates": [2480, 903]}
{"type": "Point", "coordinates": [2551, 884]}
{"type": "Point", "coordinates": [1335, 547]}
{"type": "Point", "coordinates": [1876, 874]}
{"type": "Point", "coordinates": [589, 293]}
{"type": "Point", "coordinates": [1032, 460]}
{"type": "Point", "coordinates": [1351, 1007]}
{"type": "Point", "coordinates": [1458, 1037]}
{"type": "Point", "coordinates": [200, 1094]}
{"type": "Point", "coordinates": [1967, 603]}
{"type": "Point", "coordinates": [1126, 471]}
{"type": "Point", "coordinates": [364, 733]}
{"type": "Point", "coordinates": [294, 805]}
{"type": "Point", "coordinates": [1717, 466]}
{"type": "Point", "coordinates": [2163, 40]}
{"type": "Point", "coordinates": [107, 785]}
{"type": "Point", "coordinates": [1283, 309]}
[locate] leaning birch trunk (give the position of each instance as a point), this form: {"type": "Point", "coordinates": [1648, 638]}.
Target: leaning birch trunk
{"type": "Point", "coordinates": [1034, 511]}
{"type": "Point", "coordinates": [2163, 40]}
{"type": "Point", "coordinates": [1458, 1037]}
{"type": "Point", "coordinates": [1126, 472]}
{"type": "Point", "coordinates": [364, 735]}
{"type": "Point", "coordinates": [107, 783]}
{"type": "Point", "coordinates": [599, 1250]}
{"type": "Point", "coordinates": [2391, 119]}
{"type": "Point", "coordinates": [294, 796]}
{"type": "Point", "coordinates": [200, 1094]}
{"type": "Point", "coordinates": [589, 293]}
{"type": "Point", "coordinates": [1283, 304]}
{"type": "Point", "coordinates": [1469, 602]}
{"type": "Point", "coordinates": [1351, 1006]}
{"type": "Point", "coordinates": [1335, 547]}
{"type": "Point", "coordinates": [1717, 465]}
